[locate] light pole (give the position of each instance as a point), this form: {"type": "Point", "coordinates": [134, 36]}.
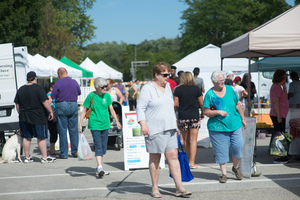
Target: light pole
{"type": "Point", "coordinates": [166, 36]}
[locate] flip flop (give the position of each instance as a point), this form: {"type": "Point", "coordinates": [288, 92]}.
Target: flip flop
{"type": "Point", "coordinates": [194, 166]}
{"type": "Point", "coordinates": [156, 194]}
{"type": "Point", "coordinates": [182, 192]}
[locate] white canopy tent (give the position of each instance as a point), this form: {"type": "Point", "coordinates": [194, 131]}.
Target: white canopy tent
{"type": "Point", "coordinates": [208, 60]}
{"type": "Point", "coordinates": [56, 64]}
{"type": "Point", "coordinates": [91, 66]}
{"type": "Point", "coordinates": [113, 74]}
{"type": "Point", "coordinates": [40, 69]}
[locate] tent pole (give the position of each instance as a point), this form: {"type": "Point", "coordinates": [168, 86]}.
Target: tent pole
{"type": "Point", "coordinates": [222, 64]}
{"type": "Point", "coordinates": [249, 84]}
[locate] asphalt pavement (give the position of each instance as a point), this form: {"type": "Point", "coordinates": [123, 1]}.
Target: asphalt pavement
{"type": "Point", "coordinates": [73, 179]}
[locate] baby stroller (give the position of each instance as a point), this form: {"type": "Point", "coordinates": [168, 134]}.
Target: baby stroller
{"type": "Point", "coordinates": [115, 136]}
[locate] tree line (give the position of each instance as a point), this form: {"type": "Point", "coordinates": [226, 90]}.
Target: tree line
{"type": "Point", "coordinates": [61, 28]}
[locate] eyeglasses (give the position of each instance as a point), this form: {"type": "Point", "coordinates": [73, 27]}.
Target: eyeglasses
{"type": "Point", "coordinates": [219, 81]}
{"type": "Point", "coordinates": [165, 75]}
{"type": "Point", "coordinates": [103, 87]}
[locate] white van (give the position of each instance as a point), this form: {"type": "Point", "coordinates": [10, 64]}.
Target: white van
{"type": "Point", "coordinates": [13, 69]}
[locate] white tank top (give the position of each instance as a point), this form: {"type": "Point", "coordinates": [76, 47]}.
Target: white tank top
{"type": "Point", "coordinates": [113, 94]}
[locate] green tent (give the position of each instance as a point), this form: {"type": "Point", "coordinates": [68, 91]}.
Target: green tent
{"type": "Point", "coordinates": [85, 73]}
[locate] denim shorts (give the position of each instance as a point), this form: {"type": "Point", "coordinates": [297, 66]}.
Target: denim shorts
{"type": "Point", "coordinates": [222, 140]}
{"type": "Point", "coordinates": [100, 139]}
{"type": "Point", "coordinates": [161, 142]}
{"type": "Point", "coordinates": [31, 130]}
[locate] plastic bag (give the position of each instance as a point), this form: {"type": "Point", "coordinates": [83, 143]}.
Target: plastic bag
{"type": "Point", "coordinates": [84, 151]}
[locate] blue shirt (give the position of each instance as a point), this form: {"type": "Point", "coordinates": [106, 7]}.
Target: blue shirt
{"type": "Point", "coordinates": [233, 120]}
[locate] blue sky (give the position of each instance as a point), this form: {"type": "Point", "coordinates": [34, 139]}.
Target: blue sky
{"type": "Point", "coordinates": [131, 21]}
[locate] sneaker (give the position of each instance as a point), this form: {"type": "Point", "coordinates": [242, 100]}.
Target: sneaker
{"type": "Point", "coordinates": [106, 172]}
{"type": "Point", "coordinates": [223, 178]}
{"type": "Point", "coordinates": [99, 172]}
{"type": "Point", "coordinates": [49, 159]}
{"type": "Point", "coordinates": [283, 160]}
{"type": "Point", "coordinates": [28, 160]}
{"type": "Point", "coordinates": [237, 173]}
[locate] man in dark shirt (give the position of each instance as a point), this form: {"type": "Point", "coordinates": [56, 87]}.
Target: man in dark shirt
{"type": "Point", "coordinates": [33, 107]}
{"type": "Point", "coordinates": [65, 93]}
{"type": "Point", "coordinates": [173, 75]}
{"type": "Point", "coordinates": [229, 78]}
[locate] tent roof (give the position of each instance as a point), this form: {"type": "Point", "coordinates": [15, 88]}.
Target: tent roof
{"type": "Point", "coordinates": [278, 37]}
{"type": "Point", "coordinates": [39, 68]}
{"type": "Point", "coordinates": [273, 63]}
{"type": "Point", "coordinates": [85, 73]}
{"type": "Point", "coordinates": [208, 59]}
{"type": "Point", "coordinates": [90, 65]}
{"type": "Point", "coordinates": [113, 74]}
{"type": "Point", "coordinates": [72, 72]}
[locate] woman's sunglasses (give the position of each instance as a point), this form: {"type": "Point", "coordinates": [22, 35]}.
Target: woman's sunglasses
{"type": "Point", "coordinates": [165, 75]}
{"type": "Point", "coordinates": [103, 87]}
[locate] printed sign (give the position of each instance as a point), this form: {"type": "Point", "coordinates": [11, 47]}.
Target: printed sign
{"type": "Point", "coordinates": [248, 149]}
{"type": "Point", "coordinates": [135, 155]}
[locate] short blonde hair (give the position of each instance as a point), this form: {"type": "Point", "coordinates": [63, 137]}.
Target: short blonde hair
{"type": "Point", "coordinates": [159, 68]}
{"type": "Point", "coordinates": [187, 78]}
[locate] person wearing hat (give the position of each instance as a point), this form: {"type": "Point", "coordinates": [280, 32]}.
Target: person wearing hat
{"type": "Point", "coordinates": [240, 91]}
{"type": "Point", "coordinates": [34, 112]}
{"type": "Point", "coordinates": [229, 77]}
{"type": "Point", "coordinates": [279, 107]}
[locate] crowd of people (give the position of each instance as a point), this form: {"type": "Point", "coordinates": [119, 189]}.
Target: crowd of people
{"type": "Point", "coordinates": [166, 106]}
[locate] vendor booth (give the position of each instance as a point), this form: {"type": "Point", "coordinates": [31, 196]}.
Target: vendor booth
{"type": "Point", "coordinates": [279, 37]}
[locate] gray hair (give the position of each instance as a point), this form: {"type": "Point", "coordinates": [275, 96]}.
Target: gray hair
{"type": "Point", "coordinates": [99, 82]}
{"type": "Point", "coordinates": [215, 75]}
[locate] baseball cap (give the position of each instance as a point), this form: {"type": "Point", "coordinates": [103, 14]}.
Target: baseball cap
{"type": "Point", "coordinates": [228, 73]}
{"type": "Point", "coordinates": [31, 74]}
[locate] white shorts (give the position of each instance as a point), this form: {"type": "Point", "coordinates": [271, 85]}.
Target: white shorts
{"type": "Point", "coordinates": [161, 142]}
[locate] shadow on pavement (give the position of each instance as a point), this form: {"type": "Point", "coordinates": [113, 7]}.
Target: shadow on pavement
{"type": "Point", "coordinates": [291, 185]}
{"type": "Point", "coordinates": [80, 171]}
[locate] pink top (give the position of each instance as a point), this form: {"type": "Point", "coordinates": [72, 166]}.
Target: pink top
{"type": "Point", "coordinates": [276, 91]}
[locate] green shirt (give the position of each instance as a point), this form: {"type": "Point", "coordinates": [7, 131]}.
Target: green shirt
{"type": "Point", "coordinates": [99, 119]}
{"type": "Point", "coordinates": [233, 120]}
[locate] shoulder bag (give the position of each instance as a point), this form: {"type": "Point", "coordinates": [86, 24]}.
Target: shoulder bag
{"type": "Point", "coordinates": [88, 112]}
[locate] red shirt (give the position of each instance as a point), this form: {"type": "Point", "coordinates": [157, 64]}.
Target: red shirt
{"type": "Point", "coordinates": [172, 84]}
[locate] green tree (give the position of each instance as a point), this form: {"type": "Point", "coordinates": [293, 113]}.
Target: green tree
{"type": "Point", "coordinates": [72, 14]}
{"type": "Point", "coordinates": [219, 21]}
{"type": "Point", "coordinates": [21, 22]}
{"type": "Point", "coordinates": [120, 56]}
{"type": "Point", "coordinates": [56, 40]}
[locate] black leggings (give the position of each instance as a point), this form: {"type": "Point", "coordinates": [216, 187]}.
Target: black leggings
{"type": "Point", "coordinates": [53, 131]}
{"type": "Point", "coordinates": [131, 104]}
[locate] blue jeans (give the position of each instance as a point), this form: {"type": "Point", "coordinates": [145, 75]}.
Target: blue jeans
{"type": "Point", "coordinates": [100, 139]}
{"type": "Point", "coordinates": [66, 114]}
{"type": "Point", "coordinates": [222, 140]}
